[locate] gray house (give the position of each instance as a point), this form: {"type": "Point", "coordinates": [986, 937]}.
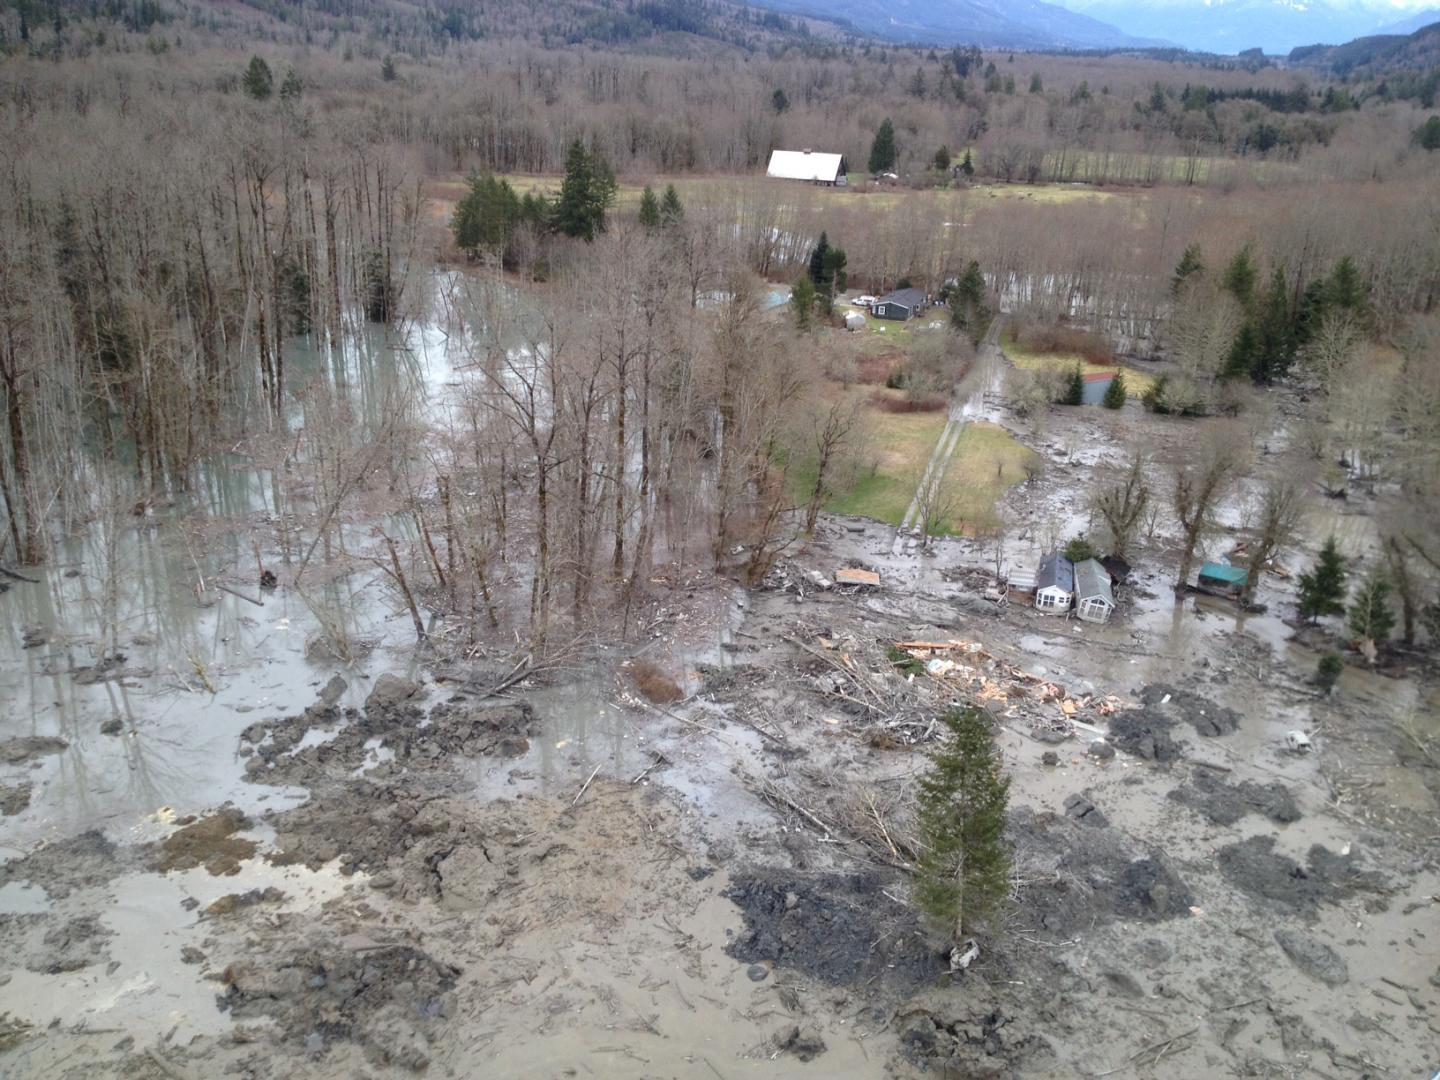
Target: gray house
{"type": "Point", "coordinates": [1054, 583]}
{"type": "Point", "coordinates": [901, 304]}
{"type": "Point", "coordinates": [1094, 599]}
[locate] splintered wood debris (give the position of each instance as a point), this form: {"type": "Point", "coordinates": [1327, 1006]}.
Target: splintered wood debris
{"type": "Point", "coordinates": [851, 575]}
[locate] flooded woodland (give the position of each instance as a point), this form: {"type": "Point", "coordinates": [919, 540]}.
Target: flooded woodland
{"type": "Point", "coordinates": [473, 604]}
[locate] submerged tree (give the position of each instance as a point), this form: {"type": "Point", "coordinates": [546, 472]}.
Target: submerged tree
{"type": "Point", "coordinates": [964, 872]}
{"type": "Point", "coordinates": [1322, 587]}
{"type": "Point", "coordinates": [1282, 504]}
{"type": "Point", "coordinates": [1201, 479]}
{"type": "Point", "coordinates": [1122, 506]}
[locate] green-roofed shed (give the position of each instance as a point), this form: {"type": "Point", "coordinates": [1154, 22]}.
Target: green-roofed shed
{"type": "Point", "coordinates": [1223, 577]}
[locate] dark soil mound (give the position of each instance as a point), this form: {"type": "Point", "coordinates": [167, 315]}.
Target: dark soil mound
{"type": "Point", "coordinates": [1254, 867]}
{"type": "Point", "coordinates": [77, 863]}
{"type": "Point", "coordinates": [1077, 875]}
{"type": "Point", "coordinates": [835, 928]}
{"type": "Point", "coordinates": [1204, 715]}
{"type": "Point", "coordinates": [1225, 804]}
{"type": "Point", "coordinates": [383, 999]}
{"type": "Point", "coordinates": [946, 1033]}
{"type": "Point", "coordinates": [1144, 733]}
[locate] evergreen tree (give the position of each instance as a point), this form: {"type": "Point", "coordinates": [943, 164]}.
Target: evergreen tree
{"type": "Point", "coordinates": [586, 194]}
{"type": "Point", "coordinates": [969, 312]}
{"type": "Point", "coordinates": [882, 150]}
{"type": "Point", "coordinates": [1036, 85]}
{"type": "Point", "coordinates": [1370, 616]}
{"type": "Point", "coordinates": [486, 216]}
{"type": "Point", "coordinates": [1190, 265]}
{"type": "Point", "coordinates": [257, 80]}
{"type": "Point", "coordinates": [1347, 290]}
{"type": "Point", "coordinates": [802, 302]}
{"type": "Point", "coordinates": [1327, 671]}
{"type": "Point", "coordinates": [942, 159]}
{"type": "Point", "coordinates": [1079, 549]}
{"type": "Point", "coordinates": [917, 84]}
{"type": "Point", "coordinates": [779, 101]}
{"type": "Point", "coordinates": [1241, 359]}
{"type": "Point", "coordinates": [672, 211]}
{"type": "Point", "coordinates": [835, 274]}
{"type": "Point", "coordinates": [1115, 393]}
{"type": "Point", "coordinates": [290, 86]}
{"type": "Point", "coordinates": [967, 166]}
{"type": "Point", "coordinates": [964, 872]}
{"type": "Point", "coordinates": [387, 69]}
{"type": "Point", "coordinates": [1074, 388]}
{"type": "Point", "coordinates": [817, 264]}
{"type": "Point", "coordinates": [649, 209]}
{"type": "Point", "coordinates": [1427, 135]}
{"type": "Point", "coordinates": [1240, 277]}
{"type": "Point", "coordinates": [1275, 344]}
{"type": "Point", "coordinates": [1322, 588]}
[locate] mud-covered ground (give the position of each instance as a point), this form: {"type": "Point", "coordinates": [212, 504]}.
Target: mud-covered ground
{"type": "Point", "coordinates": [568, 880]}
{"type": "Point", "coordinates": [690, 857]}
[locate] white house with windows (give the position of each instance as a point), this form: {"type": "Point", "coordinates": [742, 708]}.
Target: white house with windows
{"type": "Point", "coordinates": [1054, 584]}
{"type": "Point", "coordinates": [1094, 599]}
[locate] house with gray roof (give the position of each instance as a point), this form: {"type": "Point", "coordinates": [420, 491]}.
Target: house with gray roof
{"type": "Point", "coordinates": [1054, 584]}
{"type": "Point", "coordinates": [901, 304]}
{"type": "Point", "coordinates": [1094, 599]}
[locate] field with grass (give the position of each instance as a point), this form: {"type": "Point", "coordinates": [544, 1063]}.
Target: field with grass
{"type": "Point", "coordinates": [986, 463]}
{"type": "Point", "coordinates": [1136, 382]}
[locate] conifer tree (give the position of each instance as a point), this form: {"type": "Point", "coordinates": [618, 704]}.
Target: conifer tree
{"type": "Point", "coordinates": [1327, 671]}
{"type": "Point", "coordinates": [964, 873]}
{"type": "Point", "coordinates": [672, 211]}
{"type": "Point", "coordinates": [257, 80]}
{"type": "Point", "coordinates": [882, 149]}
{"type": "Point", "coordinates": [649, 209]}
{"type": "Point", "coordinates": [1322, 587]}
{"type": "Point", "coordinates": [1240, 277]}
{"type": "Point", "coordinates": [942, 159]}
{"type": "Point", "coordinates": [585, 194]}
{"type": "Point", "coordinates": [817, 263]}
{"type": "Point", "coordinates": [1190, 265]}
{"type": "Point", "coordinates": [1115, 393]}
{"type": "Point", "coordinates": [1370, 616]}
{"type": "Point", "coordinates": [967, 166]}
{"type": "Point", "coordinates": [968, 311]}
{"type": "Point", "coordinates": [387, 69]}
{"type": "Point", "coordinates": [802, 302]}
{"type": "Point", "coordinates": [290, 86]}
{"type": "Point", "coordinates": [1074, 388]}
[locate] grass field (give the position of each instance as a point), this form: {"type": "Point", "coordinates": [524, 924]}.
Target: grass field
{"type": "Point", "coordinates": [1136, 382]}
{"type": "Point", "coordinates": [987, 462]}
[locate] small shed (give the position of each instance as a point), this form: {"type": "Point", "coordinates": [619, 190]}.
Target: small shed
{"type": "Point", "coordinates": [854, 320]}
{"type": "Point", "coordinates": [1021, 579]}
{"type": "Point", "coordinates": [901, 304]}
{"type": "Point", "coordinates": [827, 169]}
{"type": "Point", "coordinates": [1054, 583]}
{"type": "Point", "coordinates": [1223, 578]}
{"type": "Point", "coordinates": [1094, 601]}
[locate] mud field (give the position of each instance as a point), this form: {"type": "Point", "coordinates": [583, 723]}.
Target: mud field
{"type": "Point", "coordinates": [690, 858]}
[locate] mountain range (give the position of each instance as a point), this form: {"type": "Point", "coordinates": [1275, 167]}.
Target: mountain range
{"type": "Point", "coordinates": [1213, 26]}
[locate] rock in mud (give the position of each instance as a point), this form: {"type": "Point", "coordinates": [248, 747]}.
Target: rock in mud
{"type": "Point", "coordinates": [233, 902]}
{"type": "Point", "coordinates": [28, 747]}
{"type": "Point", "coordinates": [950, 1034]}
{"type": "Point", "coordinates": [1081, 809]}
{"type": "Point", "coordinates": [390, 692]}
{"type": "Point", "coordinates": [1144, 734]}
{"type": "Point", "coordinates": [209, 842]}
{"type": "Point", "coordinates": [1255, 868]}
{"type": "Point", "coordinates": [79, 862]}
{"type": "Point", "coordinates": [1225, 804]}
{"type": "Point", "coordinates": [1314, 957]}
{"type": "Point", "coordinates": [385, 1000]}
{"type": "Point", "coordinates": [1207, 717]}
{"type": "Point", "coordinates": [14, 798]}
{"type": "Point", "coordinates": [802, 1040]}
{"type": "Point", "coordinates": [113, 726]}
{"type": "Point", "coordinates": [32, 637]}
{"type": "Point", "coordinates": [1050, 757]}
{"type": "Point", "coordinates": [334, 690]}
{"type": "Point", "coordinates": [74, 944]}
{"type": "Point", "coordinates": [1100, 750]}
{"type": "Point", "coordinates": [835, 928]}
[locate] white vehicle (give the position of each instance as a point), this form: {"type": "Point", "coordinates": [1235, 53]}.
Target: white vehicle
{"type": "Point", "coordinates": [864, 301]}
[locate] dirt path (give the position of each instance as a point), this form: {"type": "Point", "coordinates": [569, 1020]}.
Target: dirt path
{"type": "Point", "coordinates": [968, 403]}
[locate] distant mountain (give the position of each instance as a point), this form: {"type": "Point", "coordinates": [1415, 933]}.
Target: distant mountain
{"type": "Point", "coordinates": [1230, 26]}
{"type": "Point", "coordinates": [1381, 54]}
{"type": "Point", "coordinates": [1004, 24]}
{"type": "Point", "coordinates": [1414, 22]}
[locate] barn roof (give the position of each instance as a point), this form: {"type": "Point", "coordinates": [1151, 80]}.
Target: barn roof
{"type": "Point", "coordinates": [1056, 572]}
{"type": "Point", "coordinates": [1091, 580]}
{"type": "Point", "coordinates": [806, 165]}
{"type": "Point", "coordinates": [907, 297]}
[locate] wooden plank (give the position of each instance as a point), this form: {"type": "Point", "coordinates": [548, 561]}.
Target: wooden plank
{"type": "Point", "coordinates": [852, 576]}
